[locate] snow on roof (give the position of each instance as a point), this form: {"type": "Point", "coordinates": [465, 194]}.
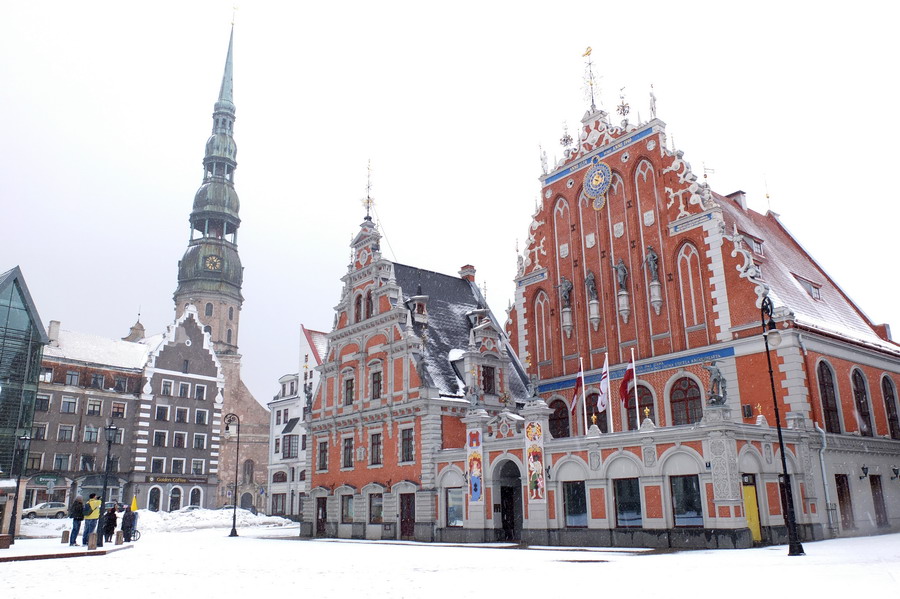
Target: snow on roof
{"type": "Point", "coordinates": [82, 347]}
{"type": "Point", "coordinates": [789, 270]}
{"type": "Point", "coordinates": [318, 342]}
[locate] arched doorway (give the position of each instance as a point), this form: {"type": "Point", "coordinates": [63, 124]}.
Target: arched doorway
{"type": "Point", "coordinates": [175, 500]}
{"type": "Point", "coordinates": [510, 482]}
{"type": "Point", "coordinates": [153, 501]}
{"type": "Point", "coordinates": [247, 501]}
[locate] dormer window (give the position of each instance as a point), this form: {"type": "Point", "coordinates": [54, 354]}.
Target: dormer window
{"type": "Point", "coordinates": [488, 376]}
{"type": "Point", "coordinates": [813, 289]}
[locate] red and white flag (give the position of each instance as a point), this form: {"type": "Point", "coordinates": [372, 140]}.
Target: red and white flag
{"type": "Point", "coordinates": [623, 386]}
{"type": "Point", "coordinates": [579, 383]}
{"type": "Point", "coordinates": [603, 396]}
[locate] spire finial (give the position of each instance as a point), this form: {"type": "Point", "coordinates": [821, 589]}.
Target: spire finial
{"type": "Point", "coordinates": [234, 9]}
{"type": "Point", "coordinates": [652, 103]}
{"type": "Point", "coordinates": [226, 92]}
{"type": "Point", "coordinates": [623, 108]}
{"type": "Point", "coordinates": [589, 77]}
{"type": "Point", "coordinates": [368, 202]}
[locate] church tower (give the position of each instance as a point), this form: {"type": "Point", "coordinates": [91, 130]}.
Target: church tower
{"type": "Point", "coordinates": [210, 276]}
{"type": "Point", "coordinates": [210, 273]}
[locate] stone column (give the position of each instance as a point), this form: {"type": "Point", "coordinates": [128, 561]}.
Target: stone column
{"type": "Point", "coordinates": [535, 528]}
{"type": "Point", "coordinates": [475, 514]}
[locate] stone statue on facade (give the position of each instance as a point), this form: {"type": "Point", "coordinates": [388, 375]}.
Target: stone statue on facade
{"type": "Point", "coordinates": [652, 260]}
{"type": "Point", "coordinates": [565, 292]}
{"type": "Point", "coordinates": [621, 274]}
{"type": "Point", "coordinates": [591, 286]}
{"type": "Point", "coordinates": [717, 392]}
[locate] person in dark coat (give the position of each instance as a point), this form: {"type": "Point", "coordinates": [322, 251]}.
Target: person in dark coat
{"type": "Point", "coordinates": [109, 525]}
{"type": "Point", "coordinates": [128, 523]}
{"type": "Point", "coordinates": [76, 513]}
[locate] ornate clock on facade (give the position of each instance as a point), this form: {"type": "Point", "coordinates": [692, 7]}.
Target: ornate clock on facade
{"type": "Point", "coordinates": [213, 263]}
{"type": "Point", "coordinates": [596, 183]}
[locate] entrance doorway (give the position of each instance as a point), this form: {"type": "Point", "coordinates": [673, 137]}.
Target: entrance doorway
{"type": "Point", "coordinates": [844, 501]}
{"type": "Point", "coordinates": [881, 518]}
{"type": "Point", "coordinates": [510, 481]}
{"type": "Point", "coordinates": [407, 515]}
{"type": "Point", "coordinates": [321, 504]}
{"type": "Point", "coordinates": [751, 506]}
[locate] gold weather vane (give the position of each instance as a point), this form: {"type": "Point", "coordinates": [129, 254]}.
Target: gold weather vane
{"type": "Point", "coordinates": [234, 9]}
{"type": "Point", "coordinates": [368, 202]}
{"type": "Point", "coordinates": [589, 77]}
{"type": "Point", "coordinates": [623, 108]}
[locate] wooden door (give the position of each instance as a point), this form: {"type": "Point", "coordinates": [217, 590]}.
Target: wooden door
{"type": "Point", "coordinates": [407, 515]}
{"type": "Point", "coordinates": [751, 507]}
{"type": "Point", "coordinates": [881, 518]}
{"type": "Point", "coordinates": [321, 515]}
{"type": "Point", "coordinates": [844, 501]}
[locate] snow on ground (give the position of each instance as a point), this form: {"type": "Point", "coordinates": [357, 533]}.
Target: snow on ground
{"type": "Point", "coordinates": [265, 559]}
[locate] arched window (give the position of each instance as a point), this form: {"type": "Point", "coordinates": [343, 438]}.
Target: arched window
{"type": "Point", "coordinates": [231, 313]}
{"type": "Point", "coordinates": [686, 402]}
{"type": "Point", "coordinates": [357, 309]}
{"type": "Point", "coordinates": [541, 327]}
{"type": "Point", "coordinates": [861, 397]}
{"type": "Point", "coordinates": [559, 419]}
{"type": "Point", "coordinates": [690, 285]}
{"type": "Point", "coordinates": [370, 307]}
{"type": "Point", "coordinates": [153, 500]}
{"type": "Point", "coordinates": [645, 402]}
{"type": "Point", "coordinates": [890, 406]}
{"type": "Point", "coordinates": [209, 308]}
{"type": "Point", "coordinates": [279, 477]}
{"type": "Point", "coordinates": [175, 500]}
{"type": "Point", "coordinates": [196, 496]}
{"type": "Point", "coordinates": [602, 421]}
{"type": "Point", "coordinates": [228, 336]}
{"type": "Point", "coordinates": [829, 399]}
{"type": "Point", "coordinates": [207, 329]}
{"type": "Point", "coordinates": [248, 471]}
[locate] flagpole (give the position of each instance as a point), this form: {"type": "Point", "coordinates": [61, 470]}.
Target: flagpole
{"type": "Point", "coordinates": [637, 408]}
{"type": "Point", "coordinates": [583, 397]}
{"type": "Point", "coordinates": [609, 418]}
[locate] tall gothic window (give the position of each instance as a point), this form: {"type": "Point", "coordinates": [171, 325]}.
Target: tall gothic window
{"type": "Point", "coordinates": [686, 402]}
{"type": "Point", "coordinates": [829, 399]}
{"type": "Point", "coordinates": [861, 397]}
{"type": "Point", "coordinates": [890, 406]}
{"type": "Point", "coordinates": [541, 328]}
{"type": "Point", "coordinates": [559, 419]}
{"type": "Point", "coordinates": [357, 309]}
{"type": "Point", "coordinates": [691, 286]}
{"type": "Point", "coordinates": [228, 336]}
{"type": "Point", "coordinates": [248, 471]}
{"type": "Point", "coordinates": [209, 309]}
{"type": "Point", "coordinates": [645, 402]}
{"type": "Point", "coordinates": [370, 307]}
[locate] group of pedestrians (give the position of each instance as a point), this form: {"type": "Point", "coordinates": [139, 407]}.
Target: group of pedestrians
{"type": "Point", "coordinates": [85, 515]}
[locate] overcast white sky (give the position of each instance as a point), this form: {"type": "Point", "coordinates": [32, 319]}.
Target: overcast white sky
{"type": "Point", "coordinates": [105, 108]}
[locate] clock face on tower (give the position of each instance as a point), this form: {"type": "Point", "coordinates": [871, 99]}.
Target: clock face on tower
{"type": "Point", "coordinates": [213, 263]}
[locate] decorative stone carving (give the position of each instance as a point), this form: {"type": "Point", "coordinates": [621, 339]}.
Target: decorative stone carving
{"type": "Point", "coordinates": [717, 393]}
{"type": "Point", "coordinates": [649, 456]}
{"type": "Point", "coordinates": [618, 230]}
{"type": "Point", "coordinates": [590, 240]}
{"type": "Point", "coordinates": [567, 322]}
{"type": "Point", "coordinates": [621, 274]}
{"type": "Point", "coordinates": [624, 306]}
{"type": "Point", "coordinates": [649, 218]}
{"type": "Point", "coordinates": [565, 292]}
{"type": "Point", "coordinates": [595, 460]}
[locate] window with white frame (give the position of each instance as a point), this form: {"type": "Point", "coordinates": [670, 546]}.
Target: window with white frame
{"type": "Point", "coordinates": [66, 432]}
{"type": "Point", "coordinates": [166, 388]}
{"type": "Point", "coordinates": [181, 415]}
{"type": "Point", "coordinates": [69, 405]}
{"type": "Point", "coordinates": [160, 438]}
{"type": "Point", "coordinates": [407, 445]}
{"type": "Point", "coordinates": [91, 434]}
{"type": "Point", "coordinates": [197, 467]}
{"type": "Point", "coordinates": [177, 465]}
{"type": "Point", "coordinates": [94, 407]}
{"type": "Point", "coordinates": [199, 441]}
{"type": "Point", "coordinates": [38, 431]}
{"type": "Point", "coordinates": [162, 413]}
{"type": "Point", "coordinates": [200, 392]}
{"type": "Point", "coordinates": [158, 465]}
{"type": "Point", "coordinates": [119, 436]}
{"type": "Point", "coordinates": [61, 461]}
{"type": "Point", "coordinates": [118, 409]}
{"type": "Point", "coordinates": [46, 375]}
{"type": "Point", "coordinates": [200, 417]}
{"type": "Point", "coordinates": [42, 403]}
{"type": "Point", "coordinates": [179, 440]}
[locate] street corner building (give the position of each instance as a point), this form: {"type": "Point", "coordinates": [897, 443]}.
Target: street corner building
{"type": "Point", "coordinates": [628, 400]}
{"type": "Point", "coordinates": [414, 356]}
{"type": "Point", "coordinates": [631, 259]}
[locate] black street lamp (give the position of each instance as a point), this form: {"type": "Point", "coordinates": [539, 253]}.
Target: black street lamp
{"type": "Point", "coordinates": [229, 420]}
{"type": "Point", "coordinates": [110, 431]}
{"type": "Point", "coordinates": [772, 337]}
{"type": "Point", "coordinates": [21, 450]}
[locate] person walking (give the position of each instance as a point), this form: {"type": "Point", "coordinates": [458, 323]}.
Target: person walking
{"type": "Point", "coordinates": [128, 521]}
{"type": "Point", "coordinates": [109, 525]}
{"type": "Point", "coordinates": [76, 513]}
{"type": "Point", "coordinates": [90, 518]}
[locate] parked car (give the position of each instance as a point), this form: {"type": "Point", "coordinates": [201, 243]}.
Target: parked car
{"type": "Point", "coordinates": [50, 509]}
{"type": "Point", "coordinates": [252, 510]}
{"type": "Point", "coordinates": [120, 507]}
{"type": "Point", "coordinates": [190, 508]}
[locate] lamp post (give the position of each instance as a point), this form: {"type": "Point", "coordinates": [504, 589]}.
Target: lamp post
{"type": "Point", "coordinates": [20, 450]}
{"type": "Point", "coordinates": [110, 431]}
{"type": "Point", "coordinates": [229, 420]}
{"type": "Point", "coordinates": [771, 337]}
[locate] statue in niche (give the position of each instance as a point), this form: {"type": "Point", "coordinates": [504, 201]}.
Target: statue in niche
{"type": "Point", "coordinates": [591, 286]}
{"type": "Point", "coordinates": [621, 274]}
{"type": "Point", "coordinates": [652, 260]}
{"type": "Point", "coordinates": [717, 392]}
{"type": "Point", "coordinates": [565, 292]}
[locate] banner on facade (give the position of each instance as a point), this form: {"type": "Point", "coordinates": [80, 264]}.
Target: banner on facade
{"type": "Point", "coordinates": [474, 464]}
{"type": "Point", "coordinates": [534, 458]}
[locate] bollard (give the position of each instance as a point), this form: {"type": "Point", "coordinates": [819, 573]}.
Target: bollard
{"type": "Point", "coordinates": [65, 536]}
{"type": "Point", "coordinates": [120, 537]}
{"type": "Point", "coordinates": [92, 541]}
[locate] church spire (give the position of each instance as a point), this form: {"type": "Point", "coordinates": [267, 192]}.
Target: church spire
{"type": "Point", "coordinates": [210, 274]}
